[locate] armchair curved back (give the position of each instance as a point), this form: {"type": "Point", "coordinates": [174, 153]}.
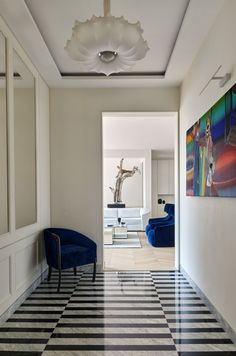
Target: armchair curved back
{"type": "Point", "coordinates": [57, 238]}
{"type": "Point", "coordinates": [166, 208]}
{"type": "Point", "coordinates": [68, 236]}
{"type": "Point", "coordinates": [168, 219]}
{"type": "Point", "coordinates": [66, 248]}
{"type": "Point", "coordinates": [171, 210]}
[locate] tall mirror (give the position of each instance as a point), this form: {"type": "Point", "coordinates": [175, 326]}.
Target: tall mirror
{"type": "Point", "coordinates": [3, 141]}
{"type": "Point", "coordinates": [25, 144]}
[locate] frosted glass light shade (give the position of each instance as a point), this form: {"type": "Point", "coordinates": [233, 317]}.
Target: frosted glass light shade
{"type": "Point", "coordinates": [106, 44]}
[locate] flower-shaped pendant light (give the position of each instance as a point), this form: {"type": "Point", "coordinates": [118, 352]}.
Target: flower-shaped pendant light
{"type": "Point", "coordinates": [106, 44]}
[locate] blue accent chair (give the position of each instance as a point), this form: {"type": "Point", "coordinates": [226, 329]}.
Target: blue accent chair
{"type": "Point", "coordinates": [162, 235]}
{"type": "Point", "coordinates": [169, 209]}
{"type": "Point", "coordinates": [168, 219]}
{"type": "Point", "coordinates": [68, 249]}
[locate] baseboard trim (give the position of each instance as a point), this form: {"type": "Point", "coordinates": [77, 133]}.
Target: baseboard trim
{"type": "Point", "coordinates": [10, 310]}
{"type": "Point", "coordinates": [211, 307]}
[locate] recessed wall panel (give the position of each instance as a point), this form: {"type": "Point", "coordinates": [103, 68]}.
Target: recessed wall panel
{"type": "Point", "coordinates": [5, 278]}
{"type": "Point", "coordinates": [25, 144]}
{"type": "Point", "coordinates": [26, 264]}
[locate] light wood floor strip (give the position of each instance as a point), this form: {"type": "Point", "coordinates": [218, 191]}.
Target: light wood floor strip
{"type": "Point", "coordinates": [145, 258]}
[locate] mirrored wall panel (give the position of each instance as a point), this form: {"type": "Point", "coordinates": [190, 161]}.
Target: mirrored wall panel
{"type": "Point", "coordinates": [25, 144]}
{"type": "Point", "coordinates": [3, 141]}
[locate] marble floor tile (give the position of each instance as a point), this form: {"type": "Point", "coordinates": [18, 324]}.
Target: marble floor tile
{"type": "Point", "coordinates": [155, 313]}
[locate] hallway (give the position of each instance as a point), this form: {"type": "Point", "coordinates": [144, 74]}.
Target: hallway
{"type": "Point", "coordinates": [123, 313]}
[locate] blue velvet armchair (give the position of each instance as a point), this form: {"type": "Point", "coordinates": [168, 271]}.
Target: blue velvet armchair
{"type": "Point", "coordinates": [162, 235]}
{"type": "Point", "coordinates": [166, 220]}
{"type": "Point", "coordinates": [68, 249]}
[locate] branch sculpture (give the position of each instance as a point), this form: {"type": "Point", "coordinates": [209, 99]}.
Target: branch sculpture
{"type": "Point", "coordinates": [121, 176]}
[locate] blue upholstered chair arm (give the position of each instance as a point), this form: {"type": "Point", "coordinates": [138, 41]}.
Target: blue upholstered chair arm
{"type": "Point", "coordinates": [52, 249]}
{"type": "Point", "coordinates": [157, 222]}
{"type": "Point", "coordinates": [162, 236]}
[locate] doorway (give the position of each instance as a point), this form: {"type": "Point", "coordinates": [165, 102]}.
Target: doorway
{"type": "Point", "coordinates": [147, 142]}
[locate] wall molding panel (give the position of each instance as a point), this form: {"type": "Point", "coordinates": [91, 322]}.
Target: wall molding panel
{"type": "Point", "coordinates": [22, 261]}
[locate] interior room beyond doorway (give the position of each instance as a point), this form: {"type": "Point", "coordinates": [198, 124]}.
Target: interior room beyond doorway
{"type": "Point", "coordinates": [140, 155]}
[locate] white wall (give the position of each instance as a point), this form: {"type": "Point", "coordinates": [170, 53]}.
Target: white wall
{"type": "Point", "coordinates": [76, 149]}
{"type": "Point", "coordinates": [207, 226]}
{"type": "Point", "coordinates": [158, 209]}
{"type": "Point", "coordinates": [168, 177]}
{"type": "Point", "coordinates": [21, 256]}
{"type": "Point", "coordinates": [154, 188]}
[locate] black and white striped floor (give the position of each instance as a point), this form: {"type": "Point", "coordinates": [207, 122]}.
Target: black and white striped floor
{"type": "Point", "coordinates": [122, 313]}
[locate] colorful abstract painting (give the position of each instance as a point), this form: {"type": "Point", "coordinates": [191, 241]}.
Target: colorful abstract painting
{"type": "Point", "coordinates": [211, 151]}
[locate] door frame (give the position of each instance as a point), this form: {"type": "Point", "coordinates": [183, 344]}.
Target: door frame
{"type": "Point", "coordinates": [174, 115]}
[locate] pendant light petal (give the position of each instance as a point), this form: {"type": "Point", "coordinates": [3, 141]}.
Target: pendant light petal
{"type": "Point", "coordinates": [107, 44]}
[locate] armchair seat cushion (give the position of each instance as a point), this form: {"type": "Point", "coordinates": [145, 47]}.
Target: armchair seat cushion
{"type": "Point", "coordinates": [75, 255]}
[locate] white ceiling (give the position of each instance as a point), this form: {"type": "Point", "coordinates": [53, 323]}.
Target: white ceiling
{"type": "Point", "coordinates": [137, 132]}
{"type": "Point", "coordinates": [174, 30]}
{"type": "Point", "coordinates": [154, 23]}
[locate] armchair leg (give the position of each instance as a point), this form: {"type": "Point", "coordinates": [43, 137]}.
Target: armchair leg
{"type": "Point", "coordinates": [94, 271]}
{"type": "Point", "coordinates": [75, 271]}
{"type": "Point", "coordinates": [59, 281]}
{"type": "Point", "coordinates": [49, 272]}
